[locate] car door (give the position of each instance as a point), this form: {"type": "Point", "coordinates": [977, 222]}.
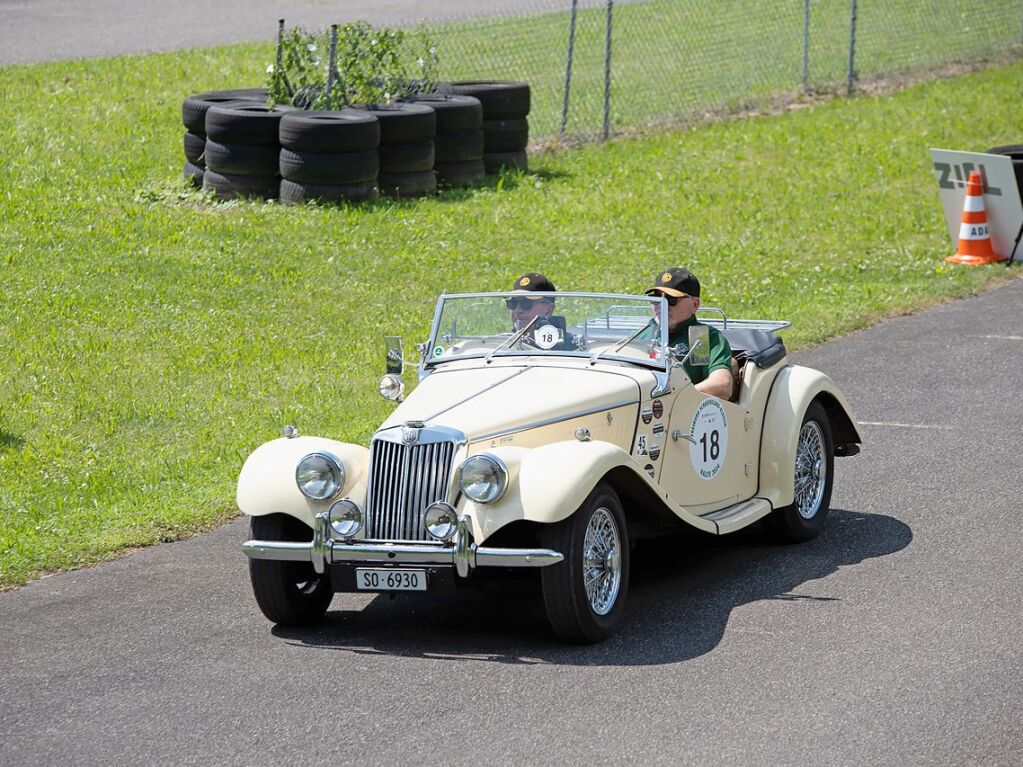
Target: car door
{"type": "Point", "coordinates": [709, 451]}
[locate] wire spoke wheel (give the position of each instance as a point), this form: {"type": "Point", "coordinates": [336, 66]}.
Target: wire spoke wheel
{"type": "Point", "coordinates": [813, 474]}
{"type": "Point", "coordinates": [585, 594]}
{"type": "Point", "coordinates": [602, 566]}
{"type": "Point", "coordinates": [811, 470]}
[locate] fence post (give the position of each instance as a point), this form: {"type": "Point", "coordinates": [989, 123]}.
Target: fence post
{"type": "Point", "coordinates": [806, 46]}
{"type": "Point", "coordinates": [607, 73]}
{"type": "Point", "coordinates": [331, 59]}
{"type": "Point", "coordinates": [568, 66]}
{"type": "Point", "coordinates": [278, 72]}
{"type": "Point", "coordinates": [852, 49]}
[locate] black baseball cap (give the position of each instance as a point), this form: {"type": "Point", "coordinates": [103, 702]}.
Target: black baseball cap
{"type": "Point", "coordinates": [534, 281]}
{"type": "Point", "coordinates": [676, 282]}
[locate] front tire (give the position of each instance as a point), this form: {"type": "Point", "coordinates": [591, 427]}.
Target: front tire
{"type": "Point", "coordinates": [813, 477]}
{"type": "Point", "coordinates": [288, 593]}
{"type": "Point", "coordinates": [585, 593]}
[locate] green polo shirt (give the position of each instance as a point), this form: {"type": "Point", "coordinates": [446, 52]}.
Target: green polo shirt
{"type": "Point", "coordinates": [720, 351]}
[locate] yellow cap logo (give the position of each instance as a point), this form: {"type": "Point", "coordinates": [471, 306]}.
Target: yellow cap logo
{"type": "Point", "coordinates": [666, 277]}
{"type": "Point", "coordinates": [524, 281]}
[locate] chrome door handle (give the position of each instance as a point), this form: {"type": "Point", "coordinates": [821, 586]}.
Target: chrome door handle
{"type": "Point", "coordinates": [677, 435]}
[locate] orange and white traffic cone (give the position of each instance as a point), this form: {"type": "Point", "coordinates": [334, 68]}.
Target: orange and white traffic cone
{"type": "Point", "coordinates": [974, 236]}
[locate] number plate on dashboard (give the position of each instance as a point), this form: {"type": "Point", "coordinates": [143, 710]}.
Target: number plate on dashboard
{"type": "Point", "coordinates": [385, 579]}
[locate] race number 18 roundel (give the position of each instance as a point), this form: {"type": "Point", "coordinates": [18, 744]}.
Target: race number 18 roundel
{"type": "Point", "coordinates": [709, 431]}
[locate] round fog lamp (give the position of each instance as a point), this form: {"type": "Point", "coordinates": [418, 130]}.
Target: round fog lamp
{"type": "Point", "coordinates": [440, 520]}
{"type": "Point", "coordinates": [392, 387]}
{"type": "Point", "coordinates": [345, 518]}
{"type": "Point", "coordinates": [320, 476]}
{"type": "Point", "coordinates": [483, 478]}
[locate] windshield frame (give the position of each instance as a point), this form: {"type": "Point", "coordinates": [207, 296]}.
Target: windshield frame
{"type": "Point", "coordinates": [429, 363]}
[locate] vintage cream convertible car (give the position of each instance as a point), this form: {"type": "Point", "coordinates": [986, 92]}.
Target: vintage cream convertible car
{"type": "Point", "coordinates": [554, 446]}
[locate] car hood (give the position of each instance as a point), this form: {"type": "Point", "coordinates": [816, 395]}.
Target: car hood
{"type": "Point", "coordinates": [483, 401]}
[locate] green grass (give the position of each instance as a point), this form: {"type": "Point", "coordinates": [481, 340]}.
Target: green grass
{"type": "Point", "coordinates": [148, 343]}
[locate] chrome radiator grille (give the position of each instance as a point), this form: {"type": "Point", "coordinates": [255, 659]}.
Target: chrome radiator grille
{"type": "Point", "coordinates": [404, 480]}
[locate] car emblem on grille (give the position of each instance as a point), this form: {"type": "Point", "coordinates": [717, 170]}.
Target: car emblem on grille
{"type": "Point", "coordinates": [410, 432]}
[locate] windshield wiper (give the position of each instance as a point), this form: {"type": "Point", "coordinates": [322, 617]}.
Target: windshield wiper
{"type": "Point", "coordinates": [518, 335]}
{"type": "Point", "coordinates": [621, 344]}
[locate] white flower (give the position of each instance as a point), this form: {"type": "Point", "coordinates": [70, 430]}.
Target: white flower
{"type": "Point", "coordinates": [421, 62]}
{"type": "Point", "coordinates": [270, 69]}
{"type": "Point", "coordinates": [373, 41]}
{"type": "Point", "coordinates": [433, 50]}
{"type": "Point", "coordinates": [310, 47]}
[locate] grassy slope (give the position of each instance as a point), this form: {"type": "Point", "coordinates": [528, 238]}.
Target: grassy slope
{"type": "Point", "coordinates": [147, 344]}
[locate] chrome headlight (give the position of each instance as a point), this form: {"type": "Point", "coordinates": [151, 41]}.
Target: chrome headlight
{"type": "Point", "coordinates": [320, 476]}
{"type": "Point", "coordinates": [392, 387]}
{"type": "Point", "coordinates": [345, 517]}
{"type": "Point", "coordinates": [483, 478]}
{"type": "Point", "coordinates": [440, 520]}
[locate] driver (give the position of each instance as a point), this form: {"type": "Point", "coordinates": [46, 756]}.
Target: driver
{"type": "Point", "coordinates": [681, 290]}
{"type": "Point", "coordinates": [524, 307]}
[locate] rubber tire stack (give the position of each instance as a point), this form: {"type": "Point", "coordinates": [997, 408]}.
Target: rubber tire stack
{"type": "Point", "coordinates": [407, 132]}
{"type": "Point", "coordinates": [1015, 153]}
{"type": "Point", "coordinates": [458, 146]}
{"type": "Point", "coordinates": [242, 150]}
{"type": "Point", "coordinates": [329, 156]}
{"type": "Point", "coordinates": [193, 116]}
{"type": "Point", "coordinates": [505, 127]}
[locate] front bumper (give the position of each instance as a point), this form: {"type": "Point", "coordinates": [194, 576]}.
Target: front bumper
{"type": "Point", "coordinates": [461, 553]}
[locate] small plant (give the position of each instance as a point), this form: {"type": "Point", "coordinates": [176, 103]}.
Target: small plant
{"type": "Point", "coordinates": [370, 66]}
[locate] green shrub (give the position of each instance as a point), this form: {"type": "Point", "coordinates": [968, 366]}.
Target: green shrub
{"type": "Point", "coordinates": [370, 66]}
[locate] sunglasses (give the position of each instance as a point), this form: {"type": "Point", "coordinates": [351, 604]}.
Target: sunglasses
{"type": "Point", "coordinates": [672, 300]}
{"type": "Point", "coordinates": [521, 303]}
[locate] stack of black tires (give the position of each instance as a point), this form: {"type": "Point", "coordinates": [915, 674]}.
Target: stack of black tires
{"type": "Point", "coordinates": [458, 145]}
{"type": "Point", "coordinates": [243, 149]}
{"type": "Point", "coordinates": [407, 131]}
{"type": "Point", "coordinates": [238, 146]}
{"type": "Point", "coordinates": [329, 156]}
{"type": "Point", "coordinates": [505, 125]}
{"type": "Point", "coordinates": [193, 115]}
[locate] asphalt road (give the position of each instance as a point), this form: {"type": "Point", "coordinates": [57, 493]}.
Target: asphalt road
{"type": "Point", "coordinates": [44, 30]}
{"type": "Point", "coordinates": [894, 638]}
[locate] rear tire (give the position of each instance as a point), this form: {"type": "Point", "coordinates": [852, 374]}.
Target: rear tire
{"type": "Point", "coordinates": [585, 593]}
{"type": "Point", "coordinates": [288, 593]}
{"type": "Point", "coordinates": [813, 476]}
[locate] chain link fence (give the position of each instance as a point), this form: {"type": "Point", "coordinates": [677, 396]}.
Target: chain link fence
{"type": "Point", "coordinates": [596, 67]}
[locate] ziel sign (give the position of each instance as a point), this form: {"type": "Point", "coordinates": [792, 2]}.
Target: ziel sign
{"type": "Point", "coordinates": [1001, 195]}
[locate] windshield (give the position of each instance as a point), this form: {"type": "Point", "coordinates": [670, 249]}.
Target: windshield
{"type": "Point", "coordinates": [590, 325]}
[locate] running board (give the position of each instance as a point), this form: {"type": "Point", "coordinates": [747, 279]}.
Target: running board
{"type": "Point", "coordinates": [740, 515]}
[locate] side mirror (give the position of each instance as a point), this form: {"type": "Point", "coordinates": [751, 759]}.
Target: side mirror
{"type": "Point", "coordinates": [699, 345]}
{"type": "Point", "coordinates": [395, 360]}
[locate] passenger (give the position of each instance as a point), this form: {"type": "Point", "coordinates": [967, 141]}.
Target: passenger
{"type": "Point", "coordinates": [524, 308]}
{"type": "Point", "coordinates": [681, 290]}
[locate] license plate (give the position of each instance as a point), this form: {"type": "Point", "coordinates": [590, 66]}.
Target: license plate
{"type": "Point", "coordinates": [385, 579]}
